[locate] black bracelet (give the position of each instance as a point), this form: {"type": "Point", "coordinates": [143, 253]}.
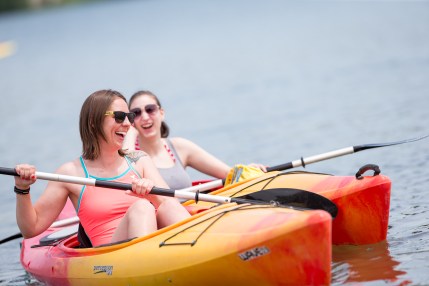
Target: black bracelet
{"type": "Point", "coordinates": [21, 192]}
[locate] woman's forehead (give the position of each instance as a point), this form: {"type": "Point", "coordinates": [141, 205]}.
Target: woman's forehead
{"type": "Point", "coordinates": [119, 103]}
{"type": "Point", "coordinates": [143, 100]}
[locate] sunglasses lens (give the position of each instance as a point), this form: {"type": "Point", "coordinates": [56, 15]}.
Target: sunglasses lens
{"type": "Point", "coordinates": [119, 116]}
{"type": "Point", "coordinates": [136, 111]}
{"type": "Point", "coordinates": [151, 108]}
{"type": "Point", "coordinates": [131, 117]}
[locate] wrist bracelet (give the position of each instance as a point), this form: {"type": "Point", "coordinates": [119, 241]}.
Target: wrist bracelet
{"type": "Point", "coordinates": [21, 192]}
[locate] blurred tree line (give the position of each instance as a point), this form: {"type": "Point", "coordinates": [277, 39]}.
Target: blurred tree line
{"type": "Point", "coordinates": [13, 5]}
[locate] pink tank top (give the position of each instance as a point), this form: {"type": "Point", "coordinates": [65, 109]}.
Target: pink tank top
{"type": "Point", "coordinates": [100, 209]}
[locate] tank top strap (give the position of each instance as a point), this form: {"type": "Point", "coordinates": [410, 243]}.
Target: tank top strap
{"type": "Point", "coordinates": [82, 190]}
{"type": "Point", "coordinates": [82, 162]}
{"type": "Point", "coordinates": [173, 150]}
{"type": "Point", "coordinates": [131, 165]}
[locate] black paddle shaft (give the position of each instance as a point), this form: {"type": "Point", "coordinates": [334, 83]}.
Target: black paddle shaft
{"type": "Point", "coordinates": [124, 186]}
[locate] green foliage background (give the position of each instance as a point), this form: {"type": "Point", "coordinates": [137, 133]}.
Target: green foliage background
{"type": "Point", "coordinates": [15, 5]}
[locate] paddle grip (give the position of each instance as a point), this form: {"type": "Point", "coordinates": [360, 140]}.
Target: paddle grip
{"type": "Point", "coordinates": [280, 167]}
{"type": "Point", "coordinates": [8, 171]}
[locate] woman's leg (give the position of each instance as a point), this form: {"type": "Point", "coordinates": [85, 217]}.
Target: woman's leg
{"type": "Point", "coordinates": [139, 220]}
{"type": "Point", "coordinates": [170, 211]}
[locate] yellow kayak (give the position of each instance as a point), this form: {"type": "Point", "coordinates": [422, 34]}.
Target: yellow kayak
{"type": "Point", "coordinates": [224, 245]}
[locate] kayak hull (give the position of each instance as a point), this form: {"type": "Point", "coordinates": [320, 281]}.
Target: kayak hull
{"type": "Point", "coordinates": [240, 244]}
{"type": "Point", "coordinates": [228, 244]}
{"type": "Point", "coordinates": [363, 204]}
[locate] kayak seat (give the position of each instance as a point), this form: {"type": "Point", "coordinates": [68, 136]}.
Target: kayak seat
{"type": "Point", "coordinates": [85, 242]}
{"type": "Point", "coordinates": [82, 237]}
{"type": "Point", "coordinates": [57, 236]}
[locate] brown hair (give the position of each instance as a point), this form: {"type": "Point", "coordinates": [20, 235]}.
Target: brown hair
{"type": "Point", "coordinates": [165, 130]}
{"type": "Point", "coordinates": [91, 121]}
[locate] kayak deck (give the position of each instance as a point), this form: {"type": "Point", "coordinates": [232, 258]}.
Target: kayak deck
{"type": "Point", "coordinates": [363, 204]}
{"type": "Point", "coordinates": [243, 244]}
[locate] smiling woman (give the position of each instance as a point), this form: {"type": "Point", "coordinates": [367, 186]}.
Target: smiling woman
{"type": "Point", "coordinates": [106, 215]}
{"type": "Point", "coordinates": [266, 81]}
{"type": "Point", "coordinates": [170, 155]}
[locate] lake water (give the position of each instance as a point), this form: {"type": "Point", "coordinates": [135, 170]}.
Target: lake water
{"type": "Point", "coordinates": [250, 81]}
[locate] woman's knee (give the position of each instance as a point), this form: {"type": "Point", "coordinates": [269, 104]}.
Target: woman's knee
{"type": "Point", "coordinates": [141, 208]}
{"type": "Point", "coordinates": [169, 212]}
{"type": "Point", "coordinates": [168, 204]}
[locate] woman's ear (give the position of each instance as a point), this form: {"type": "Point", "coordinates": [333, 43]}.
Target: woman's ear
{"type": "Point", "coordinates": [161, 112]}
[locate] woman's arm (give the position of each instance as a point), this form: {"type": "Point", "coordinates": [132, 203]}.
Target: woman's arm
{"type": "Point", "coordinates": [129, 143]}
{"type": "Point", "coordinates": [196, 157]}
{"type": "Point", "coordinates": [34, 219]}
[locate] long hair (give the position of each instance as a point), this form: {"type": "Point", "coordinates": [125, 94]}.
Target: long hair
{"type": "Point", "coordinates": [165, 130]}
{"type": "Point", "coordinates": [91, 121]}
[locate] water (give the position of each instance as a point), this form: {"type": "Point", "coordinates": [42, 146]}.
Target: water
{"type": "Point", "coordinates": [250, 81]}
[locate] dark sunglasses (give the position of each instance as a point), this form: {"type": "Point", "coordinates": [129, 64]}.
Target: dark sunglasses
{"type": "Point", "coordinates": [150, 109]}
{"type": "Point", "coordinates": [120, 116]}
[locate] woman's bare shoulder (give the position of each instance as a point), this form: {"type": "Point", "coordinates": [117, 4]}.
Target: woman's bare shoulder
{"type": "Point", "coordinates": [71, 168]}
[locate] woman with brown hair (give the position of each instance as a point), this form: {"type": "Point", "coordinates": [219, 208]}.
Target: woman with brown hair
{"type": "Point", "coordinates": [170, 155]}
{"type": "Point", "coordinates": [107, 215]}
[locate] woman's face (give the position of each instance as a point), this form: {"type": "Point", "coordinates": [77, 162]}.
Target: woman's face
{"type": "Point", "coordinates": [115, 126]}
{"type": "Point", "coordinates": [148, 116]}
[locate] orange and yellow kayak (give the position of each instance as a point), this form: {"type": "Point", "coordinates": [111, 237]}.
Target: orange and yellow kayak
{"type": "Point", "coordinates": [363, 204]}
{"type": "Point", "coordinates": [224, 245]}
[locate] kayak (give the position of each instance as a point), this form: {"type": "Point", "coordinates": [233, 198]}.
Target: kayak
{"type": "Point", "coordinates": [363, 203]}
{"type": "Point", "coordinates": [227, 244]}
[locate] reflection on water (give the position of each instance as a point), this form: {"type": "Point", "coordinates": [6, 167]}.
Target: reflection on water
{"type": "Point", "coordinates": [353, 264]}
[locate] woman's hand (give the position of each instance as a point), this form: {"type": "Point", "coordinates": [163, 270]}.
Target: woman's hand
{"type": "Point", "coordinates": [141, 187]}
{"type": "Point", "coordinates": [258, 166]}
{"type": "Point", "coordinates": [27, 176]}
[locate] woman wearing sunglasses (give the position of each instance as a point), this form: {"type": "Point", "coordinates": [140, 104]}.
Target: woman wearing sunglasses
{"type": "Point", "coordinates": [107, 215]}
{"type": "Point", "coordinates": [171, 156]}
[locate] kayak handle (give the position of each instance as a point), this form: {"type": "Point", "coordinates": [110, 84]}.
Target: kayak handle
{"type": "Point", "coordinates": [365, 168]}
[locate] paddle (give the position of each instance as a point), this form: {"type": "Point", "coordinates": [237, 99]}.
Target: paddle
{"type": "Point", "coordinates": [304, 199]}
{"type": "Point", "coordinates": [309, 160]}
{"type": "Point", "coordinates": [340, 152]}
{"type": "Point", "coordinates": [58, 223]}
{"type": "Point", "coordinates": [283, 197]}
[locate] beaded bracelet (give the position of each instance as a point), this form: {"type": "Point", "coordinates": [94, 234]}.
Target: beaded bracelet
{"type": "Point", "coordinates": [21, 192]}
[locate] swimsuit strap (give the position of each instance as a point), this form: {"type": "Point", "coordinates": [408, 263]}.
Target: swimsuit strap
{"type": "Point", "coordinates": [168, 149]}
